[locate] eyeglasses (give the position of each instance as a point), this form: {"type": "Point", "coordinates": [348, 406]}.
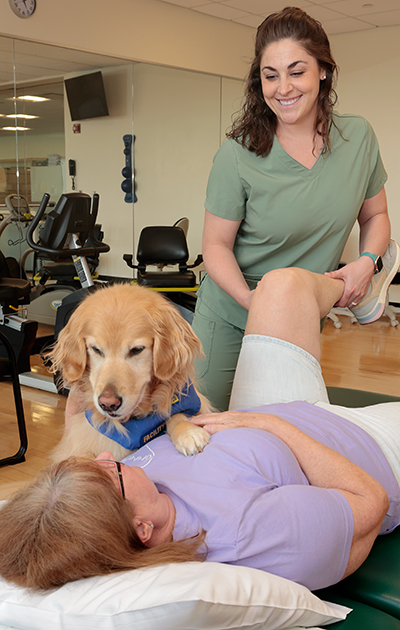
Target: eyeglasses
{"type": "Point", "coordinates": [110, 464]}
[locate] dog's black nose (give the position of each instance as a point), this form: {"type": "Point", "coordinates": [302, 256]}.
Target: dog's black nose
{"type": "Point", "coordinates": [110, 403]}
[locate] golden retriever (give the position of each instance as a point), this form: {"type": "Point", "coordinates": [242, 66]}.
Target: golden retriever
{"type": "Point", "coordinates": [130, 351]}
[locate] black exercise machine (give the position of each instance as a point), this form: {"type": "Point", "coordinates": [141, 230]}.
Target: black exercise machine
{"type": "Point", "coordinates": [12, 291]}
{"type": "Point", "coordinates": [68, 231]}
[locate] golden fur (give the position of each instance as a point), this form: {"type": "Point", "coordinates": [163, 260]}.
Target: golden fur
{"type": "Point", "coordinates": [126, 348]}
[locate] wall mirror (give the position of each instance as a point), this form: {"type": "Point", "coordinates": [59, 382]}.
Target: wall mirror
{"type": "Point", "coordinates": [36, 128]}
{"type": "Point", "coordinates": [178, 118]}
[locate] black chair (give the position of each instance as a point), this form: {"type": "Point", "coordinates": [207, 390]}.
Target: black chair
{"type": "Point", "coordinates": [163, 246]}
{"type": "Point", "coordinates": [13, 293]}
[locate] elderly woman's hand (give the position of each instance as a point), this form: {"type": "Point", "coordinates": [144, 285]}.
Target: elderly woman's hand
{"type": "Point", "coordinates": [215, 422]}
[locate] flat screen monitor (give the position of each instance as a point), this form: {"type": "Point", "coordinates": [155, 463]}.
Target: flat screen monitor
{"type": "Point", "coordinates": [86, 96]}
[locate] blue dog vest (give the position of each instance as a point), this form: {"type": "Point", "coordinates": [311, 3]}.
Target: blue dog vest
{"type": "Point", "coordinates": [139, 431]}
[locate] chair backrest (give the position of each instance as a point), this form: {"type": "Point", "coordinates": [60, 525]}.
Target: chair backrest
{"type": "Point", "coordinates": [183, 223]}
{"type": "Point", "coordinates": [4, 268]}
{"type": "Point", "coordinates": [164, 245]}
{"type": "Point", "coordinates": [13, 288]}
{"type": "Point", "coordinates": [70, 216]}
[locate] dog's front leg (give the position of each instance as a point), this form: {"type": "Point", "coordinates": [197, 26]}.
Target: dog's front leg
{"type": "Point", "coordinates": [187, 437]}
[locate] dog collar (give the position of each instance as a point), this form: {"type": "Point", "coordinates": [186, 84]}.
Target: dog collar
{"type": "Point", "coordinates": [137, 432]}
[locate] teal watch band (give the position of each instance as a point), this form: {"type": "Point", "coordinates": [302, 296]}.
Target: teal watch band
{"type": "Point", "coordinates": [376, 260]}
{"type": "Point", "coordinates": [373, 256]}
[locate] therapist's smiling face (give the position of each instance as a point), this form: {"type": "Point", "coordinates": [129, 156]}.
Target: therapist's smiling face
{"type": "Point", "coordinates": [290, 80]}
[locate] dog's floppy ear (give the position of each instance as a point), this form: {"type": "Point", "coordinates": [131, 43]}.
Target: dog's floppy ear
{"type": "Point", "coordinates": [175, 345]}
{"type": "Point", "coordinates": [69, 356]}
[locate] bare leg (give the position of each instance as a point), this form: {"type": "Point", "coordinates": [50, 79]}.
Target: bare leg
{"type": "Point", "coordinates": [289, 303]}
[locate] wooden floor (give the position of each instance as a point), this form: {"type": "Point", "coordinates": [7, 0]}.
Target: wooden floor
{"type": "Point", "coordinates": [362, 357]}
{"type": "Point", "coordinates": [354, 356]}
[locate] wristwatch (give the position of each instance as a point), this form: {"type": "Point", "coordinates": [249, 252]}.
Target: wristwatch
{"type": "Point", "coordinates": [377, 261]}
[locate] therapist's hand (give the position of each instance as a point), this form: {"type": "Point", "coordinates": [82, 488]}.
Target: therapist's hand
{"type": "Point", "coordinates": [357, 277]}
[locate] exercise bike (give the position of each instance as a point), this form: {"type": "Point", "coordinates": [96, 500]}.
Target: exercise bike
{"type": "Point", "coordinates": [68, 232]}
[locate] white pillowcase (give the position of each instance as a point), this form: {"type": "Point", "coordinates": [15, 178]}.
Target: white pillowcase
{"type": "Point", "coordinates": [192, 595]}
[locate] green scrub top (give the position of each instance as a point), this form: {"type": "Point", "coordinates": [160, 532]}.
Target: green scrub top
{"type": "Point", "coordinates": [291, 216]}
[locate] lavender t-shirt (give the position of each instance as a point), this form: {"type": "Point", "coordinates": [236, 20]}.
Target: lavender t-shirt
{"type": "Point", "coordinates": [247, 490]}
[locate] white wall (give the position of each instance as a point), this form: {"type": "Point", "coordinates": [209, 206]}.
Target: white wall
{"type": "Point", "coordinates": [232, 96]}
{"type": "Point", "coordinates": [98, 152]}
{"type": "Point", "coordinates": [179, 119]}
{"type": "Point", "coordinates": [369, 86]}
{"type": "Point", "coordinates": [141, 30]}
{"type": "Point", "coordinates": [36, 146]}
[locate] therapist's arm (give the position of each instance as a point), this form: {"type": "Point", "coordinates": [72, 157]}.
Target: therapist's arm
{"type": "Point", "coordinates": [323, 468]}
{"type": "Point", "coordinates": [219, 260]}
{"type": "Point", "coordinates": [374, 225]}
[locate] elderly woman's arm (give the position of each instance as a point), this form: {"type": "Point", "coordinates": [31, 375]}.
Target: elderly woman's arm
{"type": "Point", "coordinates": [323, 468]}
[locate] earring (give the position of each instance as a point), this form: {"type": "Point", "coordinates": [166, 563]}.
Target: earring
{"type": "Point", "coordinates": [323, 78]}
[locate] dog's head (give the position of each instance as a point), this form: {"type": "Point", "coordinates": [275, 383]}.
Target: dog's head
{"type": "Point", "coordinates": [131, 346]}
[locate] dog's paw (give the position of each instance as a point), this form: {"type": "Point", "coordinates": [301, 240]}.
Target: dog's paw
{"type": "Point", "coordinates": [189, 439]}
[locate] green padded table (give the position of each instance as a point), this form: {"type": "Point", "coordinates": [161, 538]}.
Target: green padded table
{"type": "Point", "coordinates": [377, 582]}
{"type": "Point", "coordinates": [373, 591]}
{"type": "Point", "coordinates": [362, 617]}
{"type": "Point", "coordinates": [357, 397]}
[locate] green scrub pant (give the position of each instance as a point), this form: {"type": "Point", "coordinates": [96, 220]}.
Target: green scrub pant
{"type": "Point", "coordinates": [221, 343]}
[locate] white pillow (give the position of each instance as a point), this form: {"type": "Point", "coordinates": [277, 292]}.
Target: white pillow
{"type": "Point", "coordinates": [192, 595]}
